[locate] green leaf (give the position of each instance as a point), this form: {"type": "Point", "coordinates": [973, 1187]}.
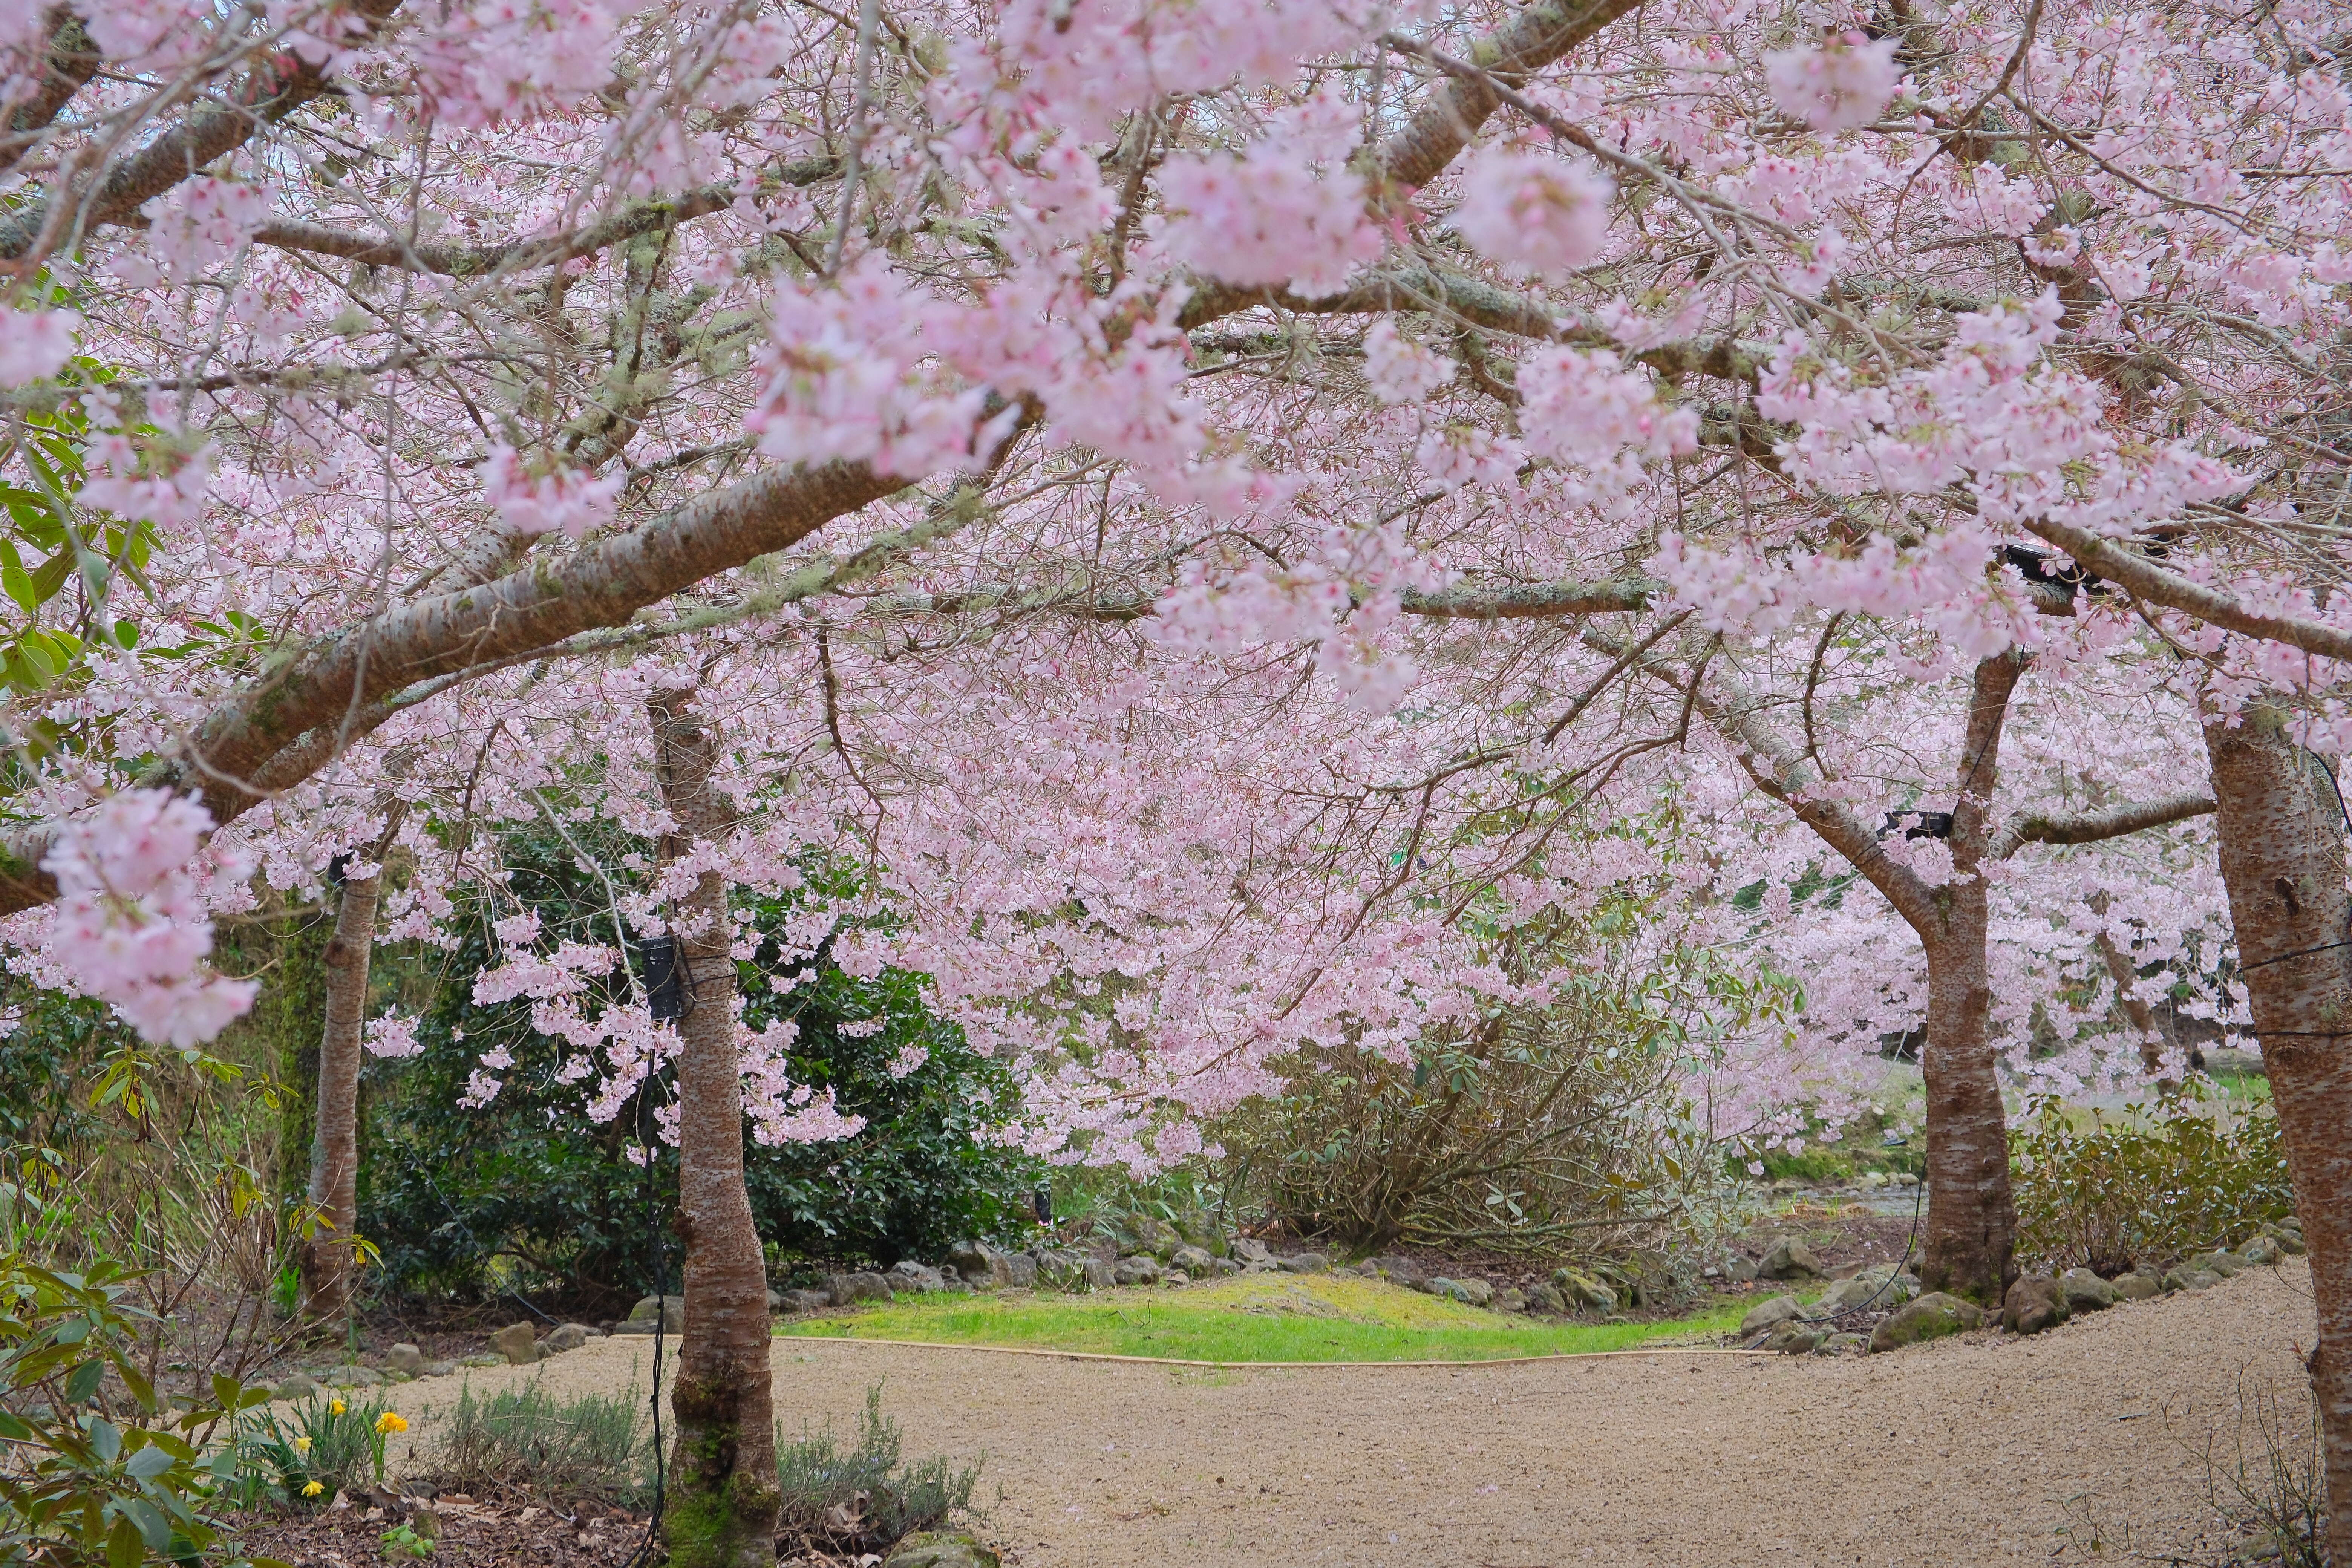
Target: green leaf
{"type": "Point", "coordinates": [50, 575]}
{"type": "Point", "coordinates": [125, 1547]}
{"type": "Point", "coordinates": [18, 584]}
{"type": "Point", "coordinates": [84, 1382]}
{"type": "Point", "coordinates": [148, 1463]}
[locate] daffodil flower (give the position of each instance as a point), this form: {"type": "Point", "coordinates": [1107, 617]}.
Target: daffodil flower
{"type": "Point", "coordinates": [301, 1445]}
{"type": "Point", "coordinates": [388, 1423]}
{"type": "Point", "coordinates": [312, 1489]}
{"type": "Point", "coordinates": [335, 1407]}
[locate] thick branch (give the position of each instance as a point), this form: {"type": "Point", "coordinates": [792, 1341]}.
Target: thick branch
{"type": "Point", "coordinates": [2090, 826]}
{"type": "Point", "coordinates": [272, 88]}
{"type": "Point", "coordinates": [1534, 599]}
{"type": "Point", "coordinates": [1536, 37]}
{"type": "Point", "coordinates": [2137, 574]}
{"type": "Point", "coordinates": [322, 691]}
{"type": "Point", "coordinates": [70, 61]}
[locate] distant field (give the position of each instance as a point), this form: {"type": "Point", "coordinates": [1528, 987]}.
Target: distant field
{"type": "Point", "coordinates": [1259, 1318]}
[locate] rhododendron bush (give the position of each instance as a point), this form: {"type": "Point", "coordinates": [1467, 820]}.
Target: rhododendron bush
{"type": "Point", "coordinates": [1200, 498]}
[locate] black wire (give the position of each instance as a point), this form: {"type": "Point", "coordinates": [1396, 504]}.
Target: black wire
{"type": "Point", "coordinates": [1919, 1202]}
{"type": "Point", "coordinates": [647, 1549]}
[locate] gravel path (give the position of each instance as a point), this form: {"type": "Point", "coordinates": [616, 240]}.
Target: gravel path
{"type": "Point", "coordinates": [1967, 1452]}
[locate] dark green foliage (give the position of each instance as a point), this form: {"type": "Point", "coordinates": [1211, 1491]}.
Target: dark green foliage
{"type": "Point", "coordinates": [2149, 1188]}
{"type": "Point", "coordinates": [526, 1193]}
{"type": "Point", "coordinates": [863, 1499]}
{"type": "Point", "coordinates": [595, 1447]}
{"type": "Point", "coordinates": [93, 1479]}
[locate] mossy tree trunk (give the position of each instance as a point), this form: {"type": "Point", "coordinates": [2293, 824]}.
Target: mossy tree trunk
{"type": "Point", "coordinates": [724, 1502]}
{"type": "Point", "coordinates": [2282, 859]}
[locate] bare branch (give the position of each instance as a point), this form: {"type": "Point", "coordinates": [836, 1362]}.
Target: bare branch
{"type": "Point", "coordinates": [2092, 826]}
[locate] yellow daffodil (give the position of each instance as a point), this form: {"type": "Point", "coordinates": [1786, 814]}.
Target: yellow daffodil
{"type": "Point", "coordinates": [388, 1423]}
{"type": "Point", "coordinates": [312, 1489]}
{"type": "Point", "coordinates": [334, 1407]}
{"type": "Point", "coordinates": [301, 1445]}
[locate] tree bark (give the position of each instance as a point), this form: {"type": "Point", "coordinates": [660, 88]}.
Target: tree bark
{"type": "Point", "coordinates": [2135, 1010]}
{"type": "Point", "coordinates": [1971, 1215]}
{"type": "Point", "coordinates": [724, 1502]}
{"type": "Point", "coordinates": [327, 1258]}
{"type": "Point", "coordinates": [2283, 860]}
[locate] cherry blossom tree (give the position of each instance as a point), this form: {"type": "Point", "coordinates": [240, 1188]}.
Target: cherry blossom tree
{"type": "Point", "coordinates": [1195, 494]}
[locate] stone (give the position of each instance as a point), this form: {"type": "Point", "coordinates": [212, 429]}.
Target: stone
{"type": "Point", "coordinates": [1477, 1292]}
{"type": "Point", "coordinates": [908, 1278]}
{"type": "Point", "coordinates": [1139, 1269]}
{"type": "Point", "coordinates": [1224, 1266]}
{"type": "Point", "coordinates": [1766, 1315]}
{"type": "Point", "coordinates": [941, 1549]}
{"type": "Point", "coordinates": [2086, 1292]}
{"type": "Point", "coordinates": [1175, 1277]}
{"type": "Point", "coordinates": [671, 1307]}
{"type": "Point", "coordinates": [1789, 1259]}
{"type": "Point", "coordinates": [1200, 1228]}
{"type": "Point", "coordinates": [2203, 1280]}
{"type": "Point", "coordinates": [390, 1377]}
{"type": "Point", "coordinates": [1872, 1180]}
{"type": "Point", "coordinates": [1794, 1337]}
{"type": "Point", "coordinates": [1249, 1249]}
{"type": "Point", "coordinates": [2262, 1252]}
{"type": "Point", "coordinates": [486, 1360]}
{"type": "Point", "coordinates": [1304, 1263]}
{"type": "Point", "coordinates": [1844, 1344]}
{"type": "Point", "coordinates": [1510, 1300]}
{"type": "Point", "coordinates": [805, 1300]}
{"type": "Point", "coordinates": [849, 1289]}
{"type": "Point", "coordinates": [1739, 1270]}
{"type": "Point", "coordinates": [571, 1337]}
{"type": "Point", "coordinates": [1452, 1289]}
{"type": "Point", "coordinates": [2224, 1264]}
{"type": "Point", "coordinates": [1399, 1271]}
{"type": "Point", "coordinates": [2034, 1302]}
{"type": "Point", "coordinates": [1543, 1299]}
{"type": "Point", "coordinates": [979, 1265]}
{"type": "Point", "coordinates": [301, 1385]}
{"type": "Point", "coordinates": [2138, 1285]}
{"type": "Point", "coordinates": [1155, 1236]}
{"type": "Point", "coordinates": [1904, 1179]}
{"type": "Point", "coordinates": [1931, 1317]}
{"type": "Point", "coordinates": [1583, 1291]}
{"type": "Point", "coordinates": [357, 1376]}
{"type": "Point", "coordinates": [775, 1301]}
{"type": "Point", "coordinates": [1196, 1261]}
{"type": "Point", "coordinates": [2290, 1240]}
{"type": "Point", "coordinates": [517, 1343]}
{"type": "Point", "coordinates": [1020, 1270]}
{"type": "Point", "coordinates": [439, 1368]}
{"type": "Point", "coordinates": [405, 1358]}
{"type": "Point", "coordinates": [1882, 1288]}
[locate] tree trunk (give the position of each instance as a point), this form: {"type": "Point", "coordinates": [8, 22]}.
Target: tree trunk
{"type": "Point", "coordinates": [2135, 1010]}
{"type": "Point", "coordinates": [327, 1259]}
{"type": "Point", "coordinates": [1971, 1217]}
{"type": "Point", "coordinates": [2283, 858]}
{"type": "Point", "coordinates": [724, 1499]}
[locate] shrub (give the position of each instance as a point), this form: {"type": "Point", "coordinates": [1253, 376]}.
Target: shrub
{"type": "Point", "coordinates": [2144, 1187]}
{"type": "Point", "coordinates": [1543, 1130]}
{"type": "Point", "coordinates": [525, 1193]}
{"type": "Point", "coordinates": [87, 1482]}
{"type": "Point", "coordinates": [591, 1447]}
{"type": "Point", "coordinates": [862, 1499]}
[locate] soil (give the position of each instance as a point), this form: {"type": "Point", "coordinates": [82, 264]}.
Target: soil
{"type": "Point", "coordinates": [1978, 1450]}
{"type": "Point", "coordinates": [470, 1537]}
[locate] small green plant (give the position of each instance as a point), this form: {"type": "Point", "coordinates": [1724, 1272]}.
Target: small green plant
{"type": "Point", "coordinates": [327, 1446]}
{"type": "Point", "coordinates": [526, 1440]}
{"type": "Point", "coordinates": [2147, 1186]}
{"type": "Point", "coordinates": [862, 1498]}
{"type": "Point", "coordinates": [402, 1544]}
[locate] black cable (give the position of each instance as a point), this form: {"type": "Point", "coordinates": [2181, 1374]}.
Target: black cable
{"type": "Point", "coordinates": [646, 1550]}
{"type": "Point", "coordinates": [2304, 952]}
{"type": "Point", "coordinates": [1918, 1202]}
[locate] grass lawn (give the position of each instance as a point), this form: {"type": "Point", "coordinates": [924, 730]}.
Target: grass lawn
{"type": "Point", "coordinates": [1254, 1318]}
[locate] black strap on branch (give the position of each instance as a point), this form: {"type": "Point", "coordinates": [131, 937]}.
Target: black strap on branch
{"type": "Point", "coordinates": [2282, 958]}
